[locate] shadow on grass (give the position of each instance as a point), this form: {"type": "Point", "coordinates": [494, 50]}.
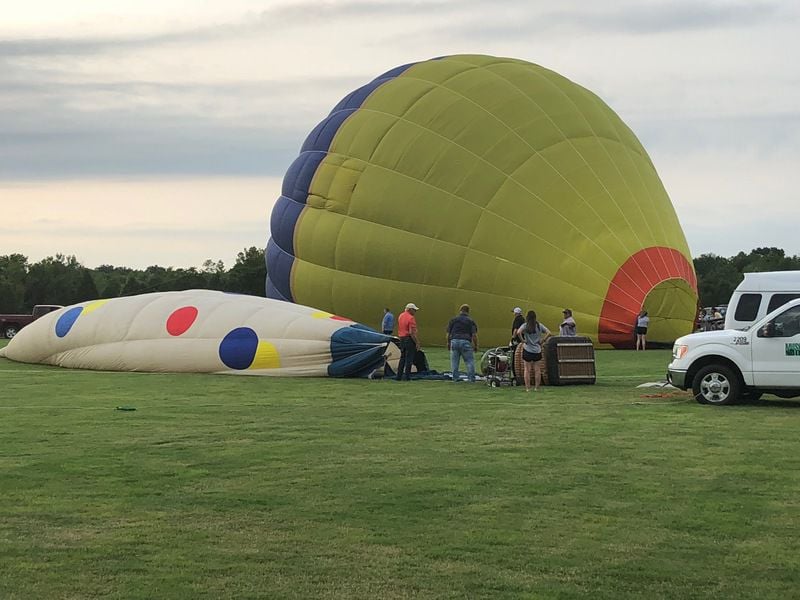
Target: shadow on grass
{"type": "Point", "coordinates": [779, 402]}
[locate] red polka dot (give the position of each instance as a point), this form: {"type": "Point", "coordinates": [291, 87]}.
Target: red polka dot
{"type": "Point", "coordinates": [338, 318]}
{"type": "Point", "coordinates": [180, 320]}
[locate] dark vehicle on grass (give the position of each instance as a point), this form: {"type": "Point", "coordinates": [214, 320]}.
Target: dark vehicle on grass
{"type": "Point", "coordinates": [11, 324]}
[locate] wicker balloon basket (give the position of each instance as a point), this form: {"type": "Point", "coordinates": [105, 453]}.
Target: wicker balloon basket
{"type": "Point", "coordinates": [565, 361]}
{"type": "Point", "coordinates": [570, 361]}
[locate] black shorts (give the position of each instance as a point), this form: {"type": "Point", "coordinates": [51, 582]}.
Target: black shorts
{"type": "Point", "coordinates": [641, 331]}
{"type": "Point", "coordinates": [531, 356]}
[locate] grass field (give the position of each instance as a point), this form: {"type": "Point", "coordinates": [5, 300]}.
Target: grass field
{"type": "Point", "coordinates": [245, 487]}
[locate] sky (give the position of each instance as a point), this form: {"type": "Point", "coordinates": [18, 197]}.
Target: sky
{"type": "Point", "coordinates": [139, 133]}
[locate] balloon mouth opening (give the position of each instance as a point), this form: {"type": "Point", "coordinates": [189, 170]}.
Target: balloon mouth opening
{"type": "Point", "coordinates": [671, 306]}
{"type": "Point", "coordinates": [662, 281]}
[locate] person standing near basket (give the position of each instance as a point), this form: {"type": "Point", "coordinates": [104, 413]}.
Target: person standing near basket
{"type": "Point", "coordinates": [533, 334]}
{"type": "Point", "coordinates": [409, 342]}
{"type": "Point", "coordinates": [518, 321]}
{"type": "Point", "coordinates": [462, 341]}
{"type": "Point", "coordinates": [568, 327]}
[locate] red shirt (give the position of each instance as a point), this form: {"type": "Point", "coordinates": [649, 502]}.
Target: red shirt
{"type": "Point", "coordinates": [406, 324]}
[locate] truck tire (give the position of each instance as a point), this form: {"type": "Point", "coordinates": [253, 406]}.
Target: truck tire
{"type": "Point", "coordinates": [10, 331]}
{"type": "Point", "coordinates": [716, 384]}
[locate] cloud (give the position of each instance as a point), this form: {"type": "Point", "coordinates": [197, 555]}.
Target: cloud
{"type": "Point", "coordinates": [710, 88]}
{"type": "Point", "coordinates": [74, 144]}
{"type": "Point", "coordinates": [668, 17]}
{"type": "Point", "coordinates": [138, 222]}
{"type": "Point", "coordinates": [297, 15]}
{"type": "Point", "coordinates": [56, 126]}
{"type": "Point", "coordinates": [521, 20]}
{"type": "Point", "coordinates": [762, 135]}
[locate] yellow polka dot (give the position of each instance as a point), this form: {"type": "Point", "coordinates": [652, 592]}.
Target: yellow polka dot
{"type": "Point", "coordinates": [321, 314]}
{"type": "Point", "coordinates": [92, 306]}
{"type": "Point", "coordinates": [266, 357]}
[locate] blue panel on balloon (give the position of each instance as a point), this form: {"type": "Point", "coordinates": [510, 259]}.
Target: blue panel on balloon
{"type": "Point", "coordinates": [356, 351]}
{"type": "Point", "coordinates": [279, 271]}
{"type": "Point", "coordinates": [297, 183]}
{"type": "Point", "coordinates": [238, 349]}
{"type": "Point", "coordinates": [67, 320]}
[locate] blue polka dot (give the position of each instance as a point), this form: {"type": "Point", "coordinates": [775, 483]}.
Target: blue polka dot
{"type": "Point", "coordinates": [238, 349]}
{"type": "Point", "coordinates": [67, 320]}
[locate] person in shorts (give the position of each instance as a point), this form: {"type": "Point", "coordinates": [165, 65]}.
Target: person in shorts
{"type": "Point", "coordinates": [533, 334]}
{"type": "Point", "coordinates": [642, 322]}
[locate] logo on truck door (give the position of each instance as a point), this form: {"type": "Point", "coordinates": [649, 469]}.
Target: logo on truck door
{"type": "Point", "coordinates": [792, 349]}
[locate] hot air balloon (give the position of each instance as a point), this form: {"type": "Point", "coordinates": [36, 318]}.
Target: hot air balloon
{"type": "Point", "coordinates": [488, 181]}
{"type": "Point", "coordinates": [202, 331]}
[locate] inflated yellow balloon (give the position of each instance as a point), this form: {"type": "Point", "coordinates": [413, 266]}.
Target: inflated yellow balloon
{"type": "Point", "coordinates": [488, 181]}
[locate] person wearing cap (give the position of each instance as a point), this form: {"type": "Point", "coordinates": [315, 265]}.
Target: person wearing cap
{"type": "Point", "coordinates": [568, 327]}
{"type": "Point", "coordinates": [462, 341]}
{"type": "Point", "coordinates": [518, 321]}
{"type": "Point", "coordinates": [409, 342]}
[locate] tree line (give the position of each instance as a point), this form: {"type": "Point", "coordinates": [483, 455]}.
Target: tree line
{"type": "Point", "coordinates": [63, 280]}
{"type": "Point", "coordinates": [718, 276]}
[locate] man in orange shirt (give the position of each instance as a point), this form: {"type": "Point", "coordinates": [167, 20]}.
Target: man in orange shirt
{"type": "Point", "coordinates": [409, 342]}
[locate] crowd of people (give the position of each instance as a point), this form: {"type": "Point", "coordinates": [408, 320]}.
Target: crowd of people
{"type": "Point", "coordinates": [710, 319]}
{"type": "Point", "coordinates": [462, 340]}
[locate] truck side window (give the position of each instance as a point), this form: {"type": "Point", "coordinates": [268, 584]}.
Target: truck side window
{"type": "Point", "coordinates": [787, 324]}
{"type": "Point", "coordinates": [779, 300]}
{"type": "Point", "coordinates": [747, 308]}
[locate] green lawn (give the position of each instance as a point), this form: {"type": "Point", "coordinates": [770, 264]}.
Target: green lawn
{"type": "Point", "coordinates": [246, 487]}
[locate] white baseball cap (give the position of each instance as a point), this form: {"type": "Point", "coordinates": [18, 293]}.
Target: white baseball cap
{"type": "Point", "coordinates": [412, 306]}
{"type": "Point", "coordinates": [518, 310]}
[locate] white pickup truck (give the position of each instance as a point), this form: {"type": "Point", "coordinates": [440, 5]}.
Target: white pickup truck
{"type": "Point", "coordinates": [721, 367]}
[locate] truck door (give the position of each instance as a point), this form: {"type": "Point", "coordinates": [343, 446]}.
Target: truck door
{"type": "Point", "coordinates": [776, 350]}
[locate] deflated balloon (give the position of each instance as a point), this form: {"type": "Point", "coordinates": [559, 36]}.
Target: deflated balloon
{"type": "Point", "coordinates": [488, 181]}
{"type": "Point", "coordinates": [202, 331]}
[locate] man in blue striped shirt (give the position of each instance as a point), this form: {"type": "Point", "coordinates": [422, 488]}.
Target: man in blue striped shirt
{"type": "Point", "coordinates": [388, 322]}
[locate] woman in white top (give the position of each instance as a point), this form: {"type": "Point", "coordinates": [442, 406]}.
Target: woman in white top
{"type": "Point", "coordinates": [642, 322]}
{"type": "Point", "coordinates": [533, 334]}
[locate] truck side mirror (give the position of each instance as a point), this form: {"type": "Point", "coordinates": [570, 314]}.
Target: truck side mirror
{"type": "Point", "coordinates": [767, 330]}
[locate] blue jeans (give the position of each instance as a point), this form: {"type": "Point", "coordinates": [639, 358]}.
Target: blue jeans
{"type": "Point", "coordinates": [459, 349]}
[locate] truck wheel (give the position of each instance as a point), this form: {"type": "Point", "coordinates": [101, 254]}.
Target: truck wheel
{"type": "Point", "coordinates": [716, 384]}
{"type": "Point", "coordinates": [10, 331]}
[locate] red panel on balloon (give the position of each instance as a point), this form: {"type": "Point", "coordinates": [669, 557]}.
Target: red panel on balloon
{"type": "Point", "coordinates": [630, 286]}
{"type": "Point", "coordinates": [179, 321]}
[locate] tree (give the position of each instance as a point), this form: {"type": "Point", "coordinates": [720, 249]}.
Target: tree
{"type": "Point", "coordinates": [54, 280]}
{"type": "Point", "coordinates": [133, 284]}
{"type": "Point", "coordinates": [717, 277]}
{"type": "Point", "coordinates": [13, 275]}
{"type": "Point", "coordinates": [248, 275]}
{"type": "Point", "coordinates": [86, 290]}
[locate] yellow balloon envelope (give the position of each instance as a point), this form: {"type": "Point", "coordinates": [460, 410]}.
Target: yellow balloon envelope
{"type": "Point", "coordinates": [488, 181]}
